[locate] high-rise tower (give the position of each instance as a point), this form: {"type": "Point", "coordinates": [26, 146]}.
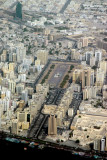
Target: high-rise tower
{"type": "Point", "coordinates": [19, 10]}
{"type": "Point", "coordinates": [86, 74]}
{"type": "Point", "coordinates": [52, 126]}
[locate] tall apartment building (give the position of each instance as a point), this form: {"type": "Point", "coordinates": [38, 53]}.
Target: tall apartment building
{"type": "Point", "coordinates": [25, 96]}
{"type": "Point", "coordinates": [87, 77]}
{"type": "Point", "coordinates": [12, 57]}
{"type": "Point", "coordinates": [12, 86]}
{"type": "Point", "coordinates": [88, 56]}
{"type": "Point", "coordinates": [22, 77]}
{"type": "Point", "coordinates": [52, 125]}
{"type": "Point", "coordinates": [21, 52]}
{"type": "Point", "coordinates": [76, 75]}
{"type": "Point", "coordinates": [92, 77]}
{"type": "Point", "coordinates": [103, 144]}
{"type": "Point", "coordinates": [103, 66]}
{"type": "Point", "coordinates": [19, 10]}
{"type": "Point", "coordinates": [105, 96]}
{"type": "Point", "coordinates": [99, 77]}
{"type": "Point", "coordinates": [98, 56]}
{"type": "Point", "coordinates": [20, 87]}
{"type": "Point", "coordinates": [102, 44]}
{"type": "Point", "coordinates": [84, 42]}
{"type": "Point", "coordinates": [3, 57]}
{"type": "Point", "coordinates": [30, 90]}
{"type": "Point", "coordinates": [1, 113]}
{"type": "Point", "coordinates": [97, 145]}
{"type": "Point", "coordinates": [11, 67]}
{"type": "Point", "coordinates": [90, 92]}
{"type": "Point", "coordinates": [92, 61]}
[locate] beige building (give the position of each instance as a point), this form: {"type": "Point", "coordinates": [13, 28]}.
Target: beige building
{"type": "Point", "coordinates": [21, 103]}
{"type": "Point", "coordinates": [42, 87]}
{"type": "Point", "coordinates": [84, 42]}
{"type": "Point", "coordinates": [38, 99]}
{"type": "Point", "coordinates": [2, 94]}
{"type": "Point", "coordinates": [92, 61]}
{"type": "Point", "coordinates": [42, 55]}
{"type": "Point", "coordinates": [14, 129]}
{"type": "Point", "coordinates": [25, 125]}
{"type": "Point", "coordinates": [105, 96]}
{"type": "Point", "coordinates": [97, 144]}
{"type": "Point", "coordinates": [49, 109]}
{"type": "Point", "coordinates": [37, 62]}
{"type": "Point", "coordinates": [70, 112]}
{"type": "Point", "coordinates": [11, 67]}
{"type": "Point", "coordinates": [3, 56]}
{"type": "Point", "coordinates": [90, 92]}
{"type": "Point", "coordinates": [106, 142]}
{"type": "Point", "coordinates": [75, 55]}
{"type": "Point", "coordinates": [86, 77]}
{"type": "Point", "coordinates": [76, 75]}
{"type": "Point", "coordinates": [14, 56]}
{"type": "Point", "coordinates": [100, 77]}
{"type": "Point", "coordinates": [22, 116]}
{"type": "Point", "coordinates": [30, 90]}
{"type": "Point", "coordinates": [103, 66]}
{"type": "Point", "coordinates": [46, 31]}
{"type": "Point", "coordinates": [52, 125]}
{"type": "Point", "coordinates": [5, 72]}
{"type": "Point", "coordinates": [33, 111]}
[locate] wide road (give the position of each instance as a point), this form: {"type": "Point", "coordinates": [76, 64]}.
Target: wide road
{"type": "Point", "coordinates": [42, 72]}
{"type": "Point", "coordinates": [41, 126]}
{"type": "Point", "coordinates": [13, 5]}
{"type": "Point", "coordinates": [40, 119]}
{"type": "Point", "coordinates": [65, 6]}
{"type": "Point", "coordinates": [75, 105]}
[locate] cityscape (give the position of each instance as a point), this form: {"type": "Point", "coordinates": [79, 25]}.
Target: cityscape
{"type": "Point", "coordinates": [53, 75]}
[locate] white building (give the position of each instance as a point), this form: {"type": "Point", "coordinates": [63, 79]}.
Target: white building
{"type": "Point", "coordinates": [21, 52]}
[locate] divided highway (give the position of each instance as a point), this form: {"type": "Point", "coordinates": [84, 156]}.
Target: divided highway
{"type": "Point", "coordinates": [39, 121]}
{"type": "Point", "coordinates": [75, 105]}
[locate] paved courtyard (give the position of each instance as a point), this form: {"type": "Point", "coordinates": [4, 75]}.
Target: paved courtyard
{"type": "Point", "coordinates": [58, 74]}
